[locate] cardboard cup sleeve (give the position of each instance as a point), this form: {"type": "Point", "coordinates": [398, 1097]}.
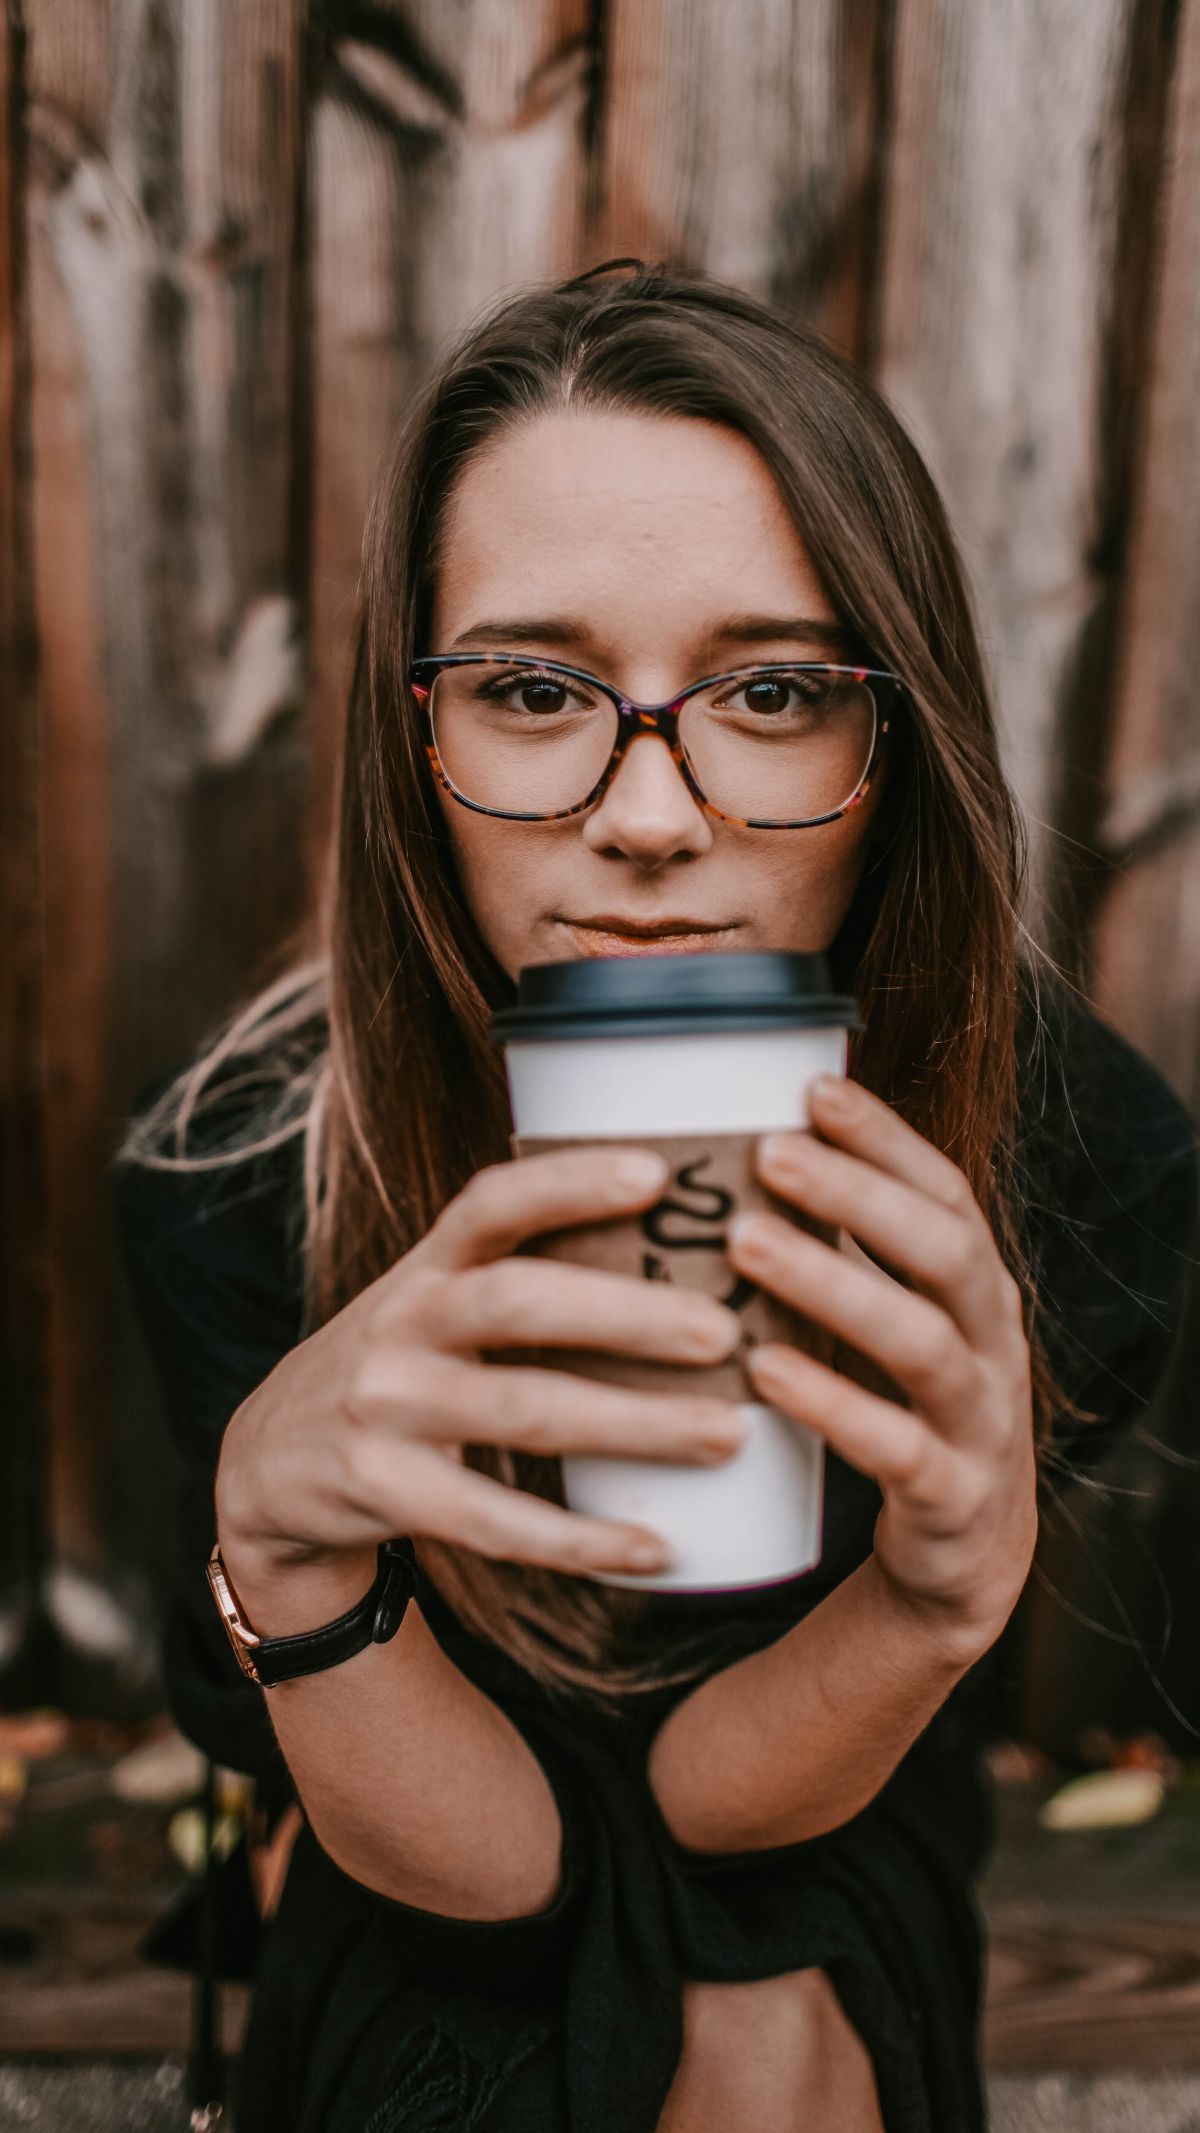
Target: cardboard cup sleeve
{"type": "Point", "coordinates": [680, 1239]}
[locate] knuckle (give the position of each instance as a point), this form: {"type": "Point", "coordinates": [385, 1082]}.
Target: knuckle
{"type": "Point", "coordinates": [531, 1422]}
{"type": "Point", "coordinates": [478, 1191]}
{"type": "Point", "coordinates": [388, 1307]}
{"type": "Point", "coordinates": [424, 1382]}
{"type": "Point", "coordinates": [396, 1392]}
{"type": "Point", "coordinates": [972, 1497]}
{"type": "Point", "coordinates": [957, 1252]}
{"type": "Point", "coordinates": [502, 1290]}
{"type": "Point", "coordinates": [910, 1465]}
{"type": "Point", "coordinates": [471, 1205]}
{"type": "Point", "coordinates": [959, 1196]}
{"type": "Point", "coordinates": [363, 1388]}
{"type": "Point", "coordinates": [356, 1460]}
{"type": "Point", "coordinates": [827, 1393]}
{"type": "Point", "coordinates": [931, 1350]}
{"type": "Point", "coordinates": [484, 1187]}
{"type": "Point", "coordinates": [1009, 1400]}
{"type": "Point", "coordinates": [483, 1528]}
{"type": "Point", "coordinates": [372, 1383]}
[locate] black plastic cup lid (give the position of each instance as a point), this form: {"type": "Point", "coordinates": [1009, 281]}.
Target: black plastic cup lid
{"type": "Point", "coordinates": [672, 995]}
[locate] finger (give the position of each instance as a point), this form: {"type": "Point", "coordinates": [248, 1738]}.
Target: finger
{"type": "Point", "coordinates": [548, 1412]}
{"type": "Point", "coordinates": [854, 1118]}
{"type": "Point", "coordinates": [948, 1255]}
{"type": "Point", "coordinates": [913, 1339]}
{"type": "Point", "coordinates": [444, 1501]}
{"type": "Point", "coordinates": [519, 1303]}
{"type": "Point", "coordinates": [508, 1203]}
{"type": "Point", "coordinates": [895, 1447]}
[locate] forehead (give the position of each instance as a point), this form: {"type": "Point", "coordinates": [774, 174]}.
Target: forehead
{"type": "Point", "coordinates": [640, 514]}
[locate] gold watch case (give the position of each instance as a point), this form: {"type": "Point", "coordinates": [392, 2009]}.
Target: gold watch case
{"type": "Point", "coordinates": [244, 1640]}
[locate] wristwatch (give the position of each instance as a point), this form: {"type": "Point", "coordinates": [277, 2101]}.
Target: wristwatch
{"type": "Point", "coordinates": [377, 1616]}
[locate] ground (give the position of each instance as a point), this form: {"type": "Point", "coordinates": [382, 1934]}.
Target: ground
{"type": "Point", "coordinates": [1093, 2022]}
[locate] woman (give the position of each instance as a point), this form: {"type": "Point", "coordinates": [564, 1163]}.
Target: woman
{"type": "Point", "coordinates": [572, 1855]}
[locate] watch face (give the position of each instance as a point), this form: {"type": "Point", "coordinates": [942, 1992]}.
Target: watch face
{"type": "Point", "coordinates": [243, 1639]}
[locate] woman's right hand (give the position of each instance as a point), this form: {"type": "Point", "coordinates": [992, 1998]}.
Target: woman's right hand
{"type": "Point", "coordinates": [358, 1433]}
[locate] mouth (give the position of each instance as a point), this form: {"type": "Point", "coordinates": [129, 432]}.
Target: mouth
{"type": "Point", "coordinates": [612, 935]}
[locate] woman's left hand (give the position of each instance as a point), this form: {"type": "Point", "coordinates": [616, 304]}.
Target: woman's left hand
{"type": "Point", "coordinates": [956, 1534]}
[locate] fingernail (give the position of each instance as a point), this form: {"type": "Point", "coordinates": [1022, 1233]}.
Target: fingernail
{"type": "Point", "coordinates": [711, 1342]}
{"type": "Point", "coordinates": [783, 1151]}
{"type": "Point", "coordinates": [638, 1170]}
{"type": "Point", "coordinates": [746, 1230]}
{"type": "Point", "coordinates": [831, 1090]}
{"type": "Point", "coordinates": [765, 1365]}
{"type": "Point", "coordinates": [649, 1554]}
{"type": "Point", "coordinates": [725, 1439]}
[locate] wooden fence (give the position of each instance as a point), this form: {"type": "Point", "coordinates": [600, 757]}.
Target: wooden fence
{"type": "Point", "coordinates": [233, 233]}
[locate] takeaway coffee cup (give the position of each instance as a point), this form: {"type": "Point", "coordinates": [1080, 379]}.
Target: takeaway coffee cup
{"type": "Point", "coordinates": [694, 1056]}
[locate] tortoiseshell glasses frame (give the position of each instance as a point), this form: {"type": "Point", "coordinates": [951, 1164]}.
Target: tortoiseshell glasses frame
{"type": "Point", "coordinates": [635, 719]}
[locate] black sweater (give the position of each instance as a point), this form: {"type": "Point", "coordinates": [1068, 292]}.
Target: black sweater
{"type": "Point", "coordinates": [882, 1903]}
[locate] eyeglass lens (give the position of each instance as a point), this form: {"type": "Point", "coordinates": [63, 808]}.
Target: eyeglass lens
{"type": "Point", "coordinates": [774, 745]}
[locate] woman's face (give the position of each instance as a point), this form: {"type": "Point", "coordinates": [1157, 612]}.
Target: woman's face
{"type": "Point", "coordinates": [649, 550]}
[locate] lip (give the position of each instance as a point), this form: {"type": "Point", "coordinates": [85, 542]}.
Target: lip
{"type": "Point", "coordinates": [610, 935]}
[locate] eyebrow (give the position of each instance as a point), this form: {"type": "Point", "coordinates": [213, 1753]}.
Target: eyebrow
{"type": "Point", "coordinates": [565, 634]}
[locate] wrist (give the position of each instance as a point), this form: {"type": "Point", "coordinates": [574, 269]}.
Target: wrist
{"type": "Point", "coordinates": [954, 1636]}
{"type": "Point", "coordinates": [285, 1590]}
{"type": "Point", "coordinates": [285, 1585]}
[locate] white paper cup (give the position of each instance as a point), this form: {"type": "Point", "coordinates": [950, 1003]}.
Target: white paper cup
{"type": "Point", "coordinates": [695, 1056]}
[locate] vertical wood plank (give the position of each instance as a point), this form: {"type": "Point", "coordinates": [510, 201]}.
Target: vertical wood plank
{"type": "Point", "coordinates": [76, 798]}
{"type": "Point", "coordinates": [24, 1313]}
{"type": "Point", "coordinates": [162, 213]}
{"type": "Point", "coordinates": [173, 244]}
{"type": "Point", "coordinates": [1147, 944]}
{"type": "Point", "coordinates": [448, 163]}
{"type": "Point", "coordinates": [1135, 1569]}
{"type": "Point", "coordinates": [741, 140]}
{"type": "Point", "coordinates": [1015, 235]}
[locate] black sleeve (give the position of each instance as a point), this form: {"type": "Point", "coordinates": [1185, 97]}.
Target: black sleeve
{"type": "Point", "coordinates": [212, 1263]}
{"type": "Point", "coordinates": [1111, 1172]}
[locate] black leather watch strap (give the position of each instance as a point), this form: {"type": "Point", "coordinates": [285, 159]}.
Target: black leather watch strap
{"type": "Point", "coordinates": [377, 1616]}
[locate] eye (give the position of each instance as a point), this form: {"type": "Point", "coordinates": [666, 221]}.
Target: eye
{"type": "Point", "coordinates": [539, 694]}
{"type": "Point", "coordinates": [773, 694]}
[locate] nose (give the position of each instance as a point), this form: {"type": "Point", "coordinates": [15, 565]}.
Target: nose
{"type": "Point", "coordinates": [648, 815]}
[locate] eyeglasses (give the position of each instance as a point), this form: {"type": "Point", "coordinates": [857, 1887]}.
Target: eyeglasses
{"type": "Point", "coordinates": [767, 747]}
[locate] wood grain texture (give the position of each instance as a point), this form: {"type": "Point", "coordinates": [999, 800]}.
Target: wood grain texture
{"type": "Point", "coordinates": [1011, 256]}
{"type": "Point", "coordinates": [78, 928]}
{"type": "Point", "coordinates": [247, 233]}
{"type": "Point", "coordinates": [122, 2007]}
{"type": "Point", "coordinates": [24, 1310]}
{"type": "Point", "coordinates": [162, 221]}
{"type": "Point", "coordinates": [1093, 1992]}
{"type": "Point", "coordinates": [172, 239]}
{"type": "Point", "coordinates": [742, 140]}
{"type": "Point", "coordinates": [447, 164]}
{"type": "Point", "coordinates": [1151, 826]}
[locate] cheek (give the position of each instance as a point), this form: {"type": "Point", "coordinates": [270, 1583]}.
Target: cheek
{"type": "Point", "coordinates": [472, 841]}
{"type": "Point", "coordinates": [498, 871]}
{"type": "Point", "coordinates": [813, 872]}
{"type": "Point", "coordinates": [849, 843]}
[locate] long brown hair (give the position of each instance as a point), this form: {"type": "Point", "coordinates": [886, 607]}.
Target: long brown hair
{"type": "Point", "coordinates": [404, 1097]}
